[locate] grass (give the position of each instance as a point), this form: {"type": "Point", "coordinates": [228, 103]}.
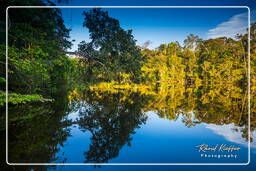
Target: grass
{"type": "Point", "coordinates": [14, 98]}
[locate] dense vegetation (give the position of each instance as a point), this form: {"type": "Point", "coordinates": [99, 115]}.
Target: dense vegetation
{"type": "Point", "coordinates": [112, 55]}
{"type": "Point", "coordinates": [204, 80]}
{"type": "Point", "coordinates": [37, 63]}
{"type": "Point", "coordinates": [38, 67]}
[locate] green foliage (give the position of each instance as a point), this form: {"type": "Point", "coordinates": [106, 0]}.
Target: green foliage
{"type": "Point", "coordinates": [210, 61]}
{"type": "Point", "coordinates": [2, 80]}
{"type": "Point", "coordinates": [37, 63]}
{"type": "Point", "coordinates": [27, 70]}
{"type": "Point", "coordinates": [222, 59]}
{"type": "Point", "coordinates": [14, 98]}
{"type": "Point", "coordinates": [164, 64]}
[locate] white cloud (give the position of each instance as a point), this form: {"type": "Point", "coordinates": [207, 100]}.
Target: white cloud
{"type": "Point", "coordinates": [229, 133]}
{"type": "Point", "coordinates": [235, 25]}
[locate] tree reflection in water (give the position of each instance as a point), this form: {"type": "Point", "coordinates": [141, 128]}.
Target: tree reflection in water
{"type": "Point", "coordinates": [112, 115]}
{"type": "Point", "coordinates": [111, 119]}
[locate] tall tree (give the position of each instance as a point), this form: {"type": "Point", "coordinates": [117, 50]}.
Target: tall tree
{"type": "Point", "coordinates": [192, 41]}
{"type": "Point", "coordinates": [111, 46]}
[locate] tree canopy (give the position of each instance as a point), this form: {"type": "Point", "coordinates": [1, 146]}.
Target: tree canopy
{"type": "Point", "coordinates": [111, 46]}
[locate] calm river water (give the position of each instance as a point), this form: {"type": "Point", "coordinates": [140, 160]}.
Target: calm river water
{"type": "Point", "coordinates": [128, 128]}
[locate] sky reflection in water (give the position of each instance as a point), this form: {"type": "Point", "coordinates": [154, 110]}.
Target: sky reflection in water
{"type": "Point", "coordinates": [108, 126]}
{"type": "Point", "coordinates": [160, 141]}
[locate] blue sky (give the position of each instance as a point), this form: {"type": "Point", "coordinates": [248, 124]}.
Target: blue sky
{"type": "Point", "coordinates": [164, 25]}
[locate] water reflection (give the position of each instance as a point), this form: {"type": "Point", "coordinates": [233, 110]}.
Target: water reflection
{"type": "Point", "coordinates": [111, 121]}
{"type": "Point", "coordinates": [35, 139]}
{"type": "Point", "coordinates": [232, 133]}
{"type": "Point", "coordinates": [100, 125]}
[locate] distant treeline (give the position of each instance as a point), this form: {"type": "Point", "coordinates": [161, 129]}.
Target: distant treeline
{"type": "Point", "coordinates": [112, 55]}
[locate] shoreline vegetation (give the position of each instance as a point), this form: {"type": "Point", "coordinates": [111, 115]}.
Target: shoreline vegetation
{"type": "Point", "coordinates": [14, 98]}
{"type": "Point", "coordinates": [214, 70]}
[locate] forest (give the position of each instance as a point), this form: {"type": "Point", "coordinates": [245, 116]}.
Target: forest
{"type": "Point", "coordinates": [209, 76]}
